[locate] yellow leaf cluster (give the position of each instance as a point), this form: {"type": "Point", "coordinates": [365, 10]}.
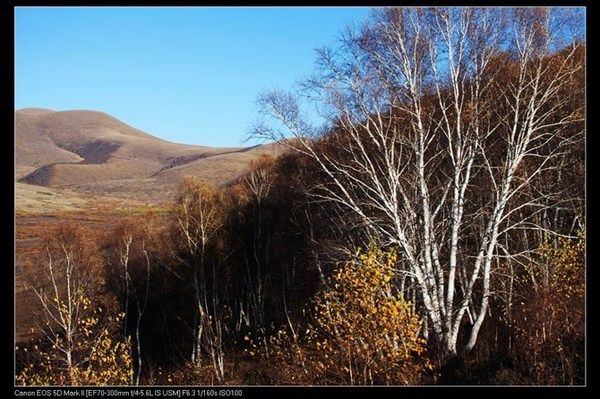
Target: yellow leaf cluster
{"type": "Point", "coordinates": [98, 359]}
{"type": "Point", "coordinates": [363, 331]}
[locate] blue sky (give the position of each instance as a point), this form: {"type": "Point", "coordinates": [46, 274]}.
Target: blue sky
{"type": "Point", "coordinates": [188, 75]}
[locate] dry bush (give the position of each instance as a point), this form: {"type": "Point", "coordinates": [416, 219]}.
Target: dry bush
{"type": "Point", "coordinates": [187, 373]}
{"type": "Point", "coordinates": [549, 323]}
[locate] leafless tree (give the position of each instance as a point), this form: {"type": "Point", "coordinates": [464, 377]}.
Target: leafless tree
{"type": "Point", "coordinates": [440, 120]}
{"type": "Point", "coordinates": [133, 242]}
{"type": "Point", "coordinates": [199, 215]}
{"type": "Point", "coordinates": [65, 280]}
{"type": "Point", "coordinates": [257, 184]}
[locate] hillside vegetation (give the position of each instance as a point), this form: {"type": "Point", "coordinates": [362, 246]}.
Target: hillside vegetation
{"type": "Point", "coordinates": [432, 233]}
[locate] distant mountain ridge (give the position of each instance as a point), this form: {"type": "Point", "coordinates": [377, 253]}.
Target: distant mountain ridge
{"type": "Point", "coordinates": [93, 152]}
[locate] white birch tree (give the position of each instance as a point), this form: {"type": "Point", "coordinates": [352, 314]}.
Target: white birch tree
{"type": "Point", "coordinates": [199, 218]}
{"type": "Point", "coordinates": [434, 115]}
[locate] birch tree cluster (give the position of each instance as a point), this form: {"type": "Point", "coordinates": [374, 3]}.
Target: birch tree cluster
{"type": "Point", "coordinates": [445, 126]}
{"type": "Point", "coordinates": [451, 150]}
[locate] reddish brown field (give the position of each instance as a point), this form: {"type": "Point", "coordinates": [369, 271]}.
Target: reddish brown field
{"type": "Point", "coordinates": [100, 218]}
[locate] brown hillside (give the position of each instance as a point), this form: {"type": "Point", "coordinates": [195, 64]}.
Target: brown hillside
{"type": "Point", "coordinates": [93, 152]}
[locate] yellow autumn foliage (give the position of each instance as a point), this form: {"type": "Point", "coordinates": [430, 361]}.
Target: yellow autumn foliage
{"type": "Point", "coordinates": [101, 359]}
{"type": "Point", "coordinates": [363, 331]}
{"type": "Point", "coordinates": [566, 262]}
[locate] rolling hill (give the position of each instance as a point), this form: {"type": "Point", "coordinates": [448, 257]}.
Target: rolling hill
{"type": "Point", "coordinates": [95, 153]}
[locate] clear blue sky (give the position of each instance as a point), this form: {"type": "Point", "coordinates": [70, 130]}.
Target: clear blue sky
{"type": "Point", "coordinates": [188, 75]}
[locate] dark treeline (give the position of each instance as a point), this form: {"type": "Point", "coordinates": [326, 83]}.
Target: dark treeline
{"type": "Point", "coordinates": [306, 268]}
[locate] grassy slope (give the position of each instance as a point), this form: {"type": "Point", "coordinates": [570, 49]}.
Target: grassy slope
{"type": "Point", "coordinates": [94, 153]}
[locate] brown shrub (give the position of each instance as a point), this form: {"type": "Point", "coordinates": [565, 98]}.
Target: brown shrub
{"type": "Point", "coordinates": [549, 321]}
